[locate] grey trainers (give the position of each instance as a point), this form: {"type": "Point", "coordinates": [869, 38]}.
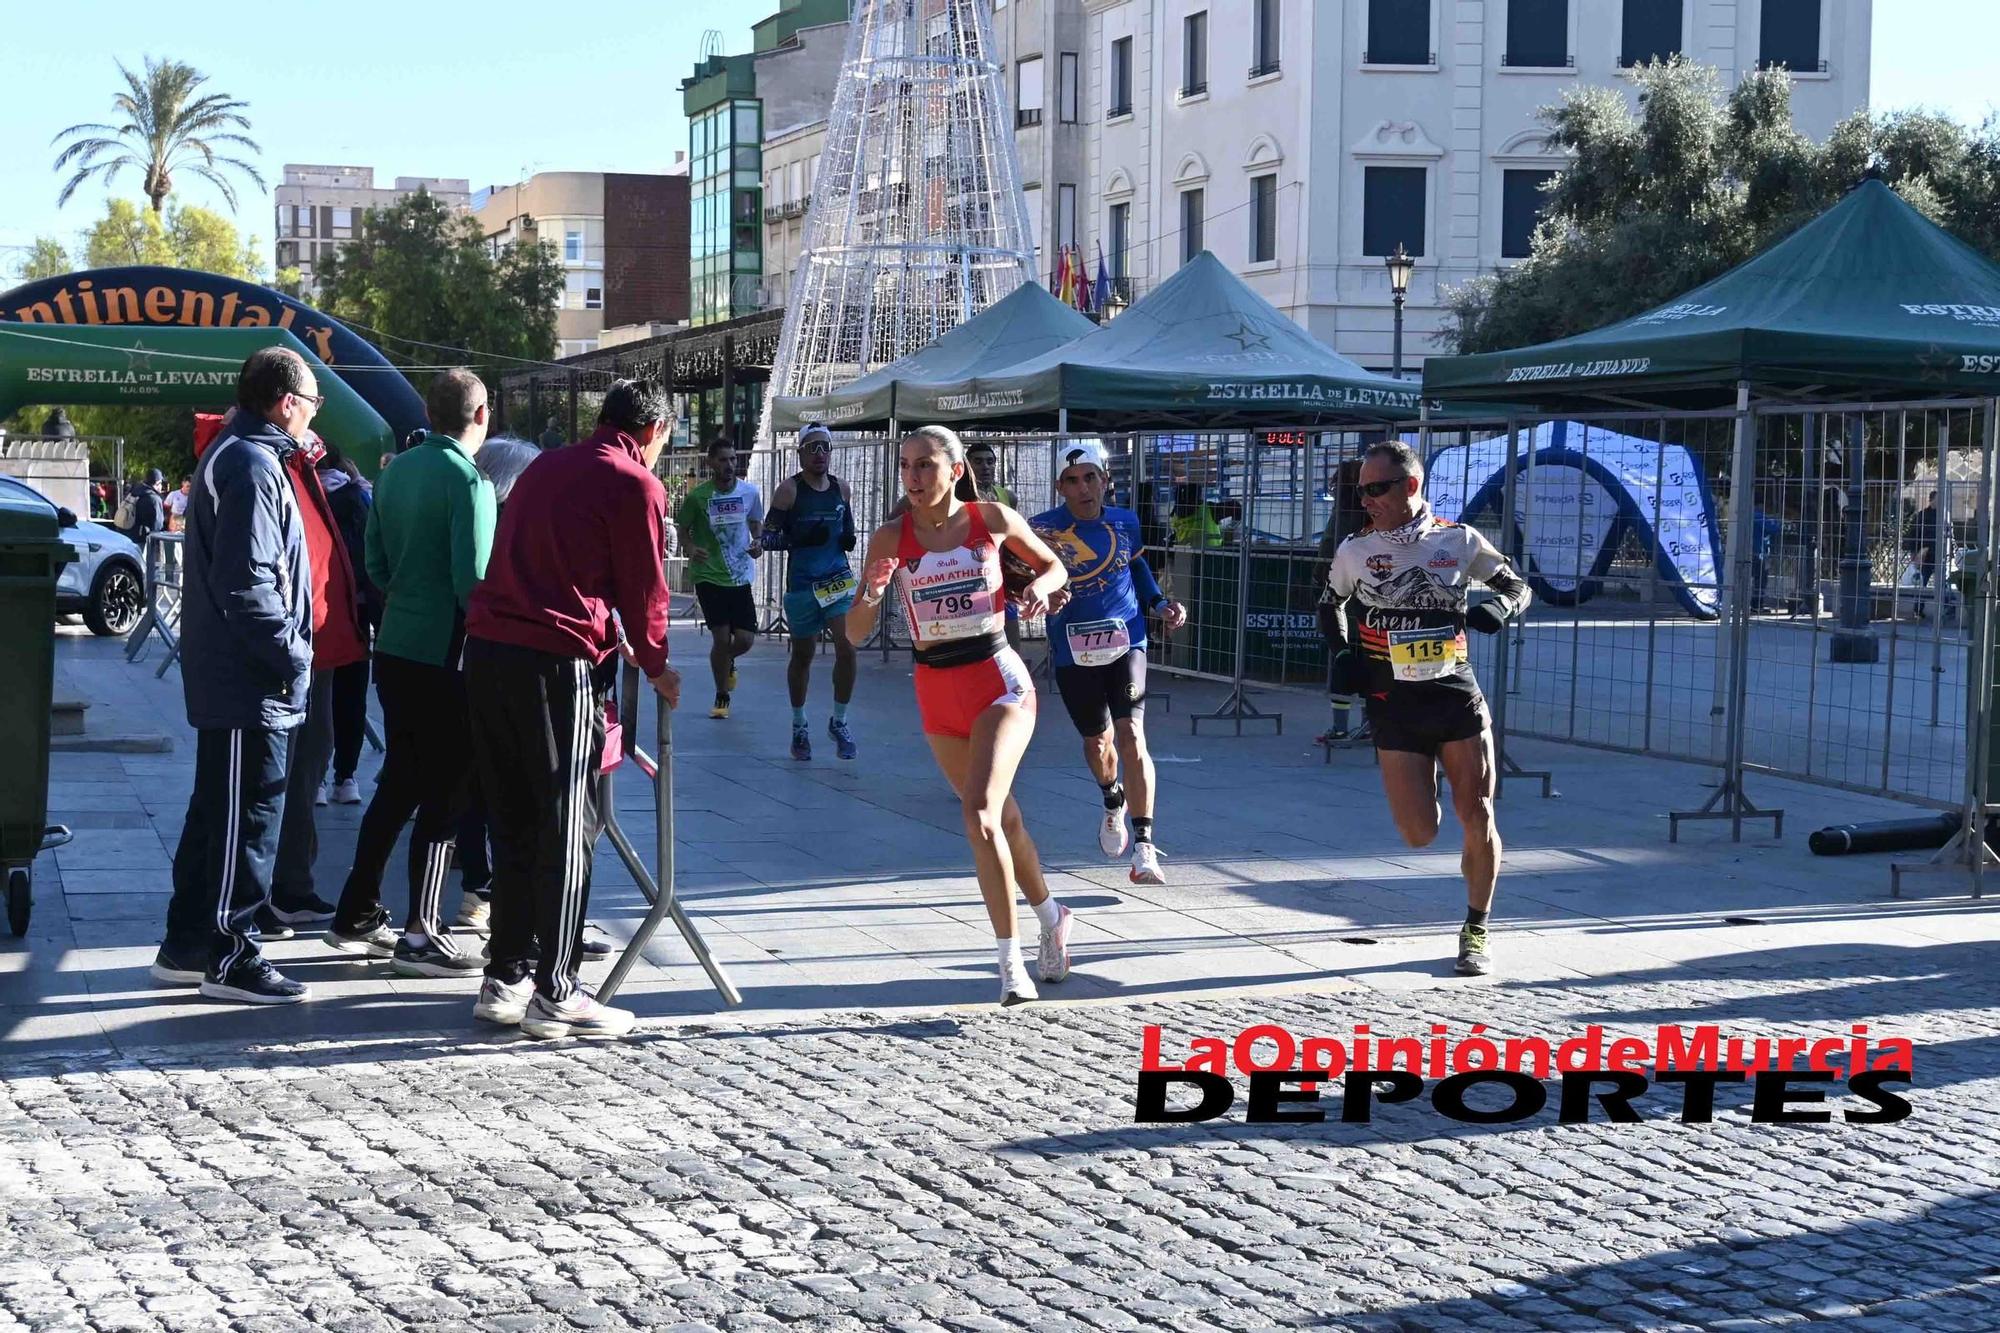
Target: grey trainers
{"type": "Point", "coordinates": [435, 957]}
{"type": "Point", "coordinates": [376, 941]}
{"type": "Point", "coordinates": [501, 1003]}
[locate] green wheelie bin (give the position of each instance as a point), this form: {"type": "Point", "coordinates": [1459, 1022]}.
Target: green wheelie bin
{"type": "Point", "coordinates": [32, 555]}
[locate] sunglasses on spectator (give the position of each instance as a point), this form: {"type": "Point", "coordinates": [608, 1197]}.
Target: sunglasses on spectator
{"type": "Point", "coordinates": [1375, 490]}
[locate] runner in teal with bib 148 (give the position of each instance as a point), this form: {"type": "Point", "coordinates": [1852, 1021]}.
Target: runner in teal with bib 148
{"type": "Point", "coordinates": [1097, 632]}
{"type": "Point", "coordinates": [811, 517]}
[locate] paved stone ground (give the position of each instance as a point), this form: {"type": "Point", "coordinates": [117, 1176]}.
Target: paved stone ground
{"type": "Point", "coordinates": [871, 1145]}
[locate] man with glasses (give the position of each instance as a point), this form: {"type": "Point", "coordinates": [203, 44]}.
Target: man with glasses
{"type": "Point", "coordinates": [811, 517]}
{"type": "Point", "coordinates": [246, 658]}
{"type": "Point", "coordinates": [1402, 582]}
{"type": "Point", "coordinates": [429, 535]}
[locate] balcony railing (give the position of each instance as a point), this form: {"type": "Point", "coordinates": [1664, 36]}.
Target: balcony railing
{"type": "Point", "coordinates": [1260, 69]}
{"type": "Point", "coordinates": [1399, 58]}
{"type": "Point", "coordinates": [1534, 60]}
{"type": "Point", "coordinates": [1027, 116]}
{"type": "Point", "coordinates": [1814, 67]}
{"type": "Point", "coordinates": [1195, 89]}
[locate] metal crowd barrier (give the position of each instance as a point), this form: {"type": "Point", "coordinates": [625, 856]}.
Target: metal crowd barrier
{"type": "Point", "coordinates": [161, 618]}
{"type": "Point", "coordinates": [660, 892]}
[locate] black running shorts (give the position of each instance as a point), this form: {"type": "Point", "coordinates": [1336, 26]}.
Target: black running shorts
{"type": "Point", "coordinates": [1096, 695]}
{"type": "Point", "coordinates": [1423, 718]}
{"type": "Point", "coordinates": [727, 605]}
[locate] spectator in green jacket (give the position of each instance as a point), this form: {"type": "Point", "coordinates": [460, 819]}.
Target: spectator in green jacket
{"type": "Point", "coordinates": [429, 534]}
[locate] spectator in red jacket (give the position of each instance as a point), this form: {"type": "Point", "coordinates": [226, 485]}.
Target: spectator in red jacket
{"type": "Point", "coordinates": [582, 538]}
{"type": "Point", "coordinates": [337, 641]}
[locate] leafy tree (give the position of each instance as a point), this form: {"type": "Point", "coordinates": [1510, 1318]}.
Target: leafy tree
{"type": "Point", "coordinates": [1653, 204]}
{"type": "Point", "coordinates": [421, 273]}
{"type": "Point", "coordinates": [182, 237]}
{"type": "Point", "coordinates": [166, 128]}
{"type": "Point", "coordinates": [46, 259]}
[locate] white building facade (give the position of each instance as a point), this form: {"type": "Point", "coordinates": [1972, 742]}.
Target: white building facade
{"type": "Point", "coordinates": [319, 210]}
{"type": "Point", "coordinates": [1302, 141]}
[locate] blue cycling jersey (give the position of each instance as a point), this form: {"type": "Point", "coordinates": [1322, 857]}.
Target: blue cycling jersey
{"type": "Point", "coordinates": [1106, 573]}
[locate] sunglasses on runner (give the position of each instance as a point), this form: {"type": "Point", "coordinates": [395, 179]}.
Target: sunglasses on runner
{"type": "Point", "coordinates": [1375, 490]}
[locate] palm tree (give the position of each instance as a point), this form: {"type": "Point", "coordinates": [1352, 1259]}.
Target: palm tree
{"type": "Point", "coordinates": [167, 127]}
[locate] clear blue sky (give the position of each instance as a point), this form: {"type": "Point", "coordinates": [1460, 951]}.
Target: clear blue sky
{"type": "Point", "coordinates": [424, 89]}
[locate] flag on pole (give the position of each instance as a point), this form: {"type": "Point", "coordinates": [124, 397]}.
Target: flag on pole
{"type": "Point", "coordinates": [1102, 296]}
{"type": "Point", "coordinates": [1066, 289]}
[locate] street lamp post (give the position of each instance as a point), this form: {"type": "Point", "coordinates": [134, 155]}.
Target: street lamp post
{"type": "Point", "coordinates": [1399, 266]}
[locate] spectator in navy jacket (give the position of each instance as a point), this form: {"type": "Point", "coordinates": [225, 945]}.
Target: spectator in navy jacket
{"type": "Point", "coordinates": [246, 659]}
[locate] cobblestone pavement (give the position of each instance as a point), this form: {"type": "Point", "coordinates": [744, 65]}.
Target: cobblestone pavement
{"type": "Point", "coordinates": [981, 1170]}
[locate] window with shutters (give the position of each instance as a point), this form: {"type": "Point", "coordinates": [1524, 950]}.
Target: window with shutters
{"type": "Point", "coordinates": [1538, 34]}
{"type": "Point", "coordinates": [1120, 229]}
{"type": "Point", "coordinates": [1120, 102]}
{"type": "Point", "coordinates": [1264, 30]}
{"type": "Point", "coordinates": [1194, 54]}
{"type": "Point", "coordinates": [1652, 31]}
{"type": "Point", "coordinates": [1392, 209]}
{"type": "Point", "coordinates": [1789, 36]}
{"type": "Point", "coordinates": [1193, 205]}
{"type": "Point", "coordinates": [1028, 92]}
{"type": "Point", "coordinates": [1399, 33]}
{"type": "Point", "coordinates": [1521, 205]}
{"type": "Point", "coordinates": [1264, 219]}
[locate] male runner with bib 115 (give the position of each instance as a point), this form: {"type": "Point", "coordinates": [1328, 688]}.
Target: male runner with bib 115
{"type": "Point", "coordinates": [1097, 632]}
{"type": "Point", "coordinates": [974, 693]}
{"type": "Point", "coordinates": [1404, 579]}
{"type": "Point", "coordinates": [810, 516]}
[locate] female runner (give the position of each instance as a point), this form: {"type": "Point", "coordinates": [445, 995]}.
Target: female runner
{"type": "Point", "coordinates": [974, 693]}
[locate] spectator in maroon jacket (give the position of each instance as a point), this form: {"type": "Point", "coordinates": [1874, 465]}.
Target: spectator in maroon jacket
{"type": "Point", "coordinates": [582, 538]}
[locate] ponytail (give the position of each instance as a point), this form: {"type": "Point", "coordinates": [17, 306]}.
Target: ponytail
{"type": "Point", "coordinates": [967, 489]}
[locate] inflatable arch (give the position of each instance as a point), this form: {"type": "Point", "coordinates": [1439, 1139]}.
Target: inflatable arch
{"type": "Point", "coordinates": [146, 297]}
{"type": "Point", "coordinates": [1581, 491]}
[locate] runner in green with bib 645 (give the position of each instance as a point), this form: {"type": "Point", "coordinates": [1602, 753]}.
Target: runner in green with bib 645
{"type": "Point", "coordinates": [1097, 633]}
{"type": "Point", "coordinates": [811, 517]}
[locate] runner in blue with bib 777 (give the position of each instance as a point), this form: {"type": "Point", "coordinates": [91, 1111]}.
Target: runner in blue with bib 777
{"type": "Point", "coordinates": [1097, 633]}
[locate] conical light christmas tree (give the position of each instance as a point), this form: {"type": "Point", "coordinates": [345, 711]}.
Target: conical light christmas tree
{"type": "Point", "coordinates": [917, 220]}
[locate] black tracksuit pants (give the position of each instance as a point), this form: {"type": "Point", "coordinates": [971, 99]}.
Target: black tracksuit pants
{"type": "Point", "coordinates": [538, 743]}
{"type": "Point", "coordinates": [426, 768]}
{"type": "Point", "coordinates": [222, 867]}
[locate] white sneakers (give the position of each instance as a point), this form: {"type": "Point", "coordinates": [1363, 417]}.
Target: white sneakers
{"type": "Point", "coordinates": [501, 1003]}
{"type": "Point", "coordinates": [578, 1016]}
{"type": "Point", "coordinates": [319, 797]}
{"type": "Point", "coordinates": [1146, 865]}
{"type": "Point", "coordinates": [1111, 834]}
{"type": "Point", "coordinates": [346, 793]}
{"type": "Point", "coordinates": [1015, 987]}
{"type": "Point", "coordinates": [474, 913]}
{"type": "Point", "coordinates": [1052, 959]}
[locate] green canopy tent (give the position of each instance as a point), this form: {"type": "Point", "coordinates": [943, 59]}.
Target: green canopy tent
{"type": "Point", "coordinates": [1867, 302]}
{"type": "Point", "coordinates": [1869, 298]}
{"type": "Point", "coordinates": [150, 366]}
{"type": "Point", "coordinates": [1201, 350]}
{"type": "Point", "coordinates": [1017, 328]}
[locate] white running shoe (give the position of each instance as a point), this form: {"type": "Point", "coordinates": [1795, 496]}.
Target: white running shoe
{"type": "Point", "coordinates": [578, 1016]}
{"type": "Point", "coordinates": [1052, 960]}
{"type": "Point", "coordinates": [319, 797]}
{"type": "Point", "coordinates": [1111, 834]}
{"type": "Point", "coordinates": [474, 913]}
{"type": "Point", "coordinates": [1146, 865]}
{"type": "Point", "coordinates": [501, 1003]}
{"type": "Point", "coordinates": [347, 792]}
{"type": "Point", "coordinates": [1015, 987]}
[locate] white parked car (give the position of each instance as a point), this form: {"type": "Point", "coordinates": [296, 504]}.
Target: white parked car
{"type": "Point", "coordinates": [106, 583]}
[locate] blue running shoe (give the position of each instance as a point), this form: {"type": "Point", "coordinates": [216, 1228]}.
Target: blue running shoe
{"type": "Point", "coordinates": [843, 739]}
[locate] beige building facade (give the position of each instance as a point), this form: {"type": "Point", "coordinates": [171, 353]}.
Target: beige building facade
{"type": "Point", "coordinates": [565, 211]}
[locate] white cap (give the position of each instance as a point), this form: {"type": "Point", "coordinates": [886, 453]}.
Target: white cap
{"type": "Point", "coordinates": [814, 431]}
{"type": "Point", "coordinates": [1081, 453]}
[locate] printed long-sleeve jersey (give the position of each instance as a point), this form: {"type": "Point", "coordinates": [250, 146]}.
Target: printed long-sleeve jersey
{"type": "Point", "coordinates": [1400, 596]}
